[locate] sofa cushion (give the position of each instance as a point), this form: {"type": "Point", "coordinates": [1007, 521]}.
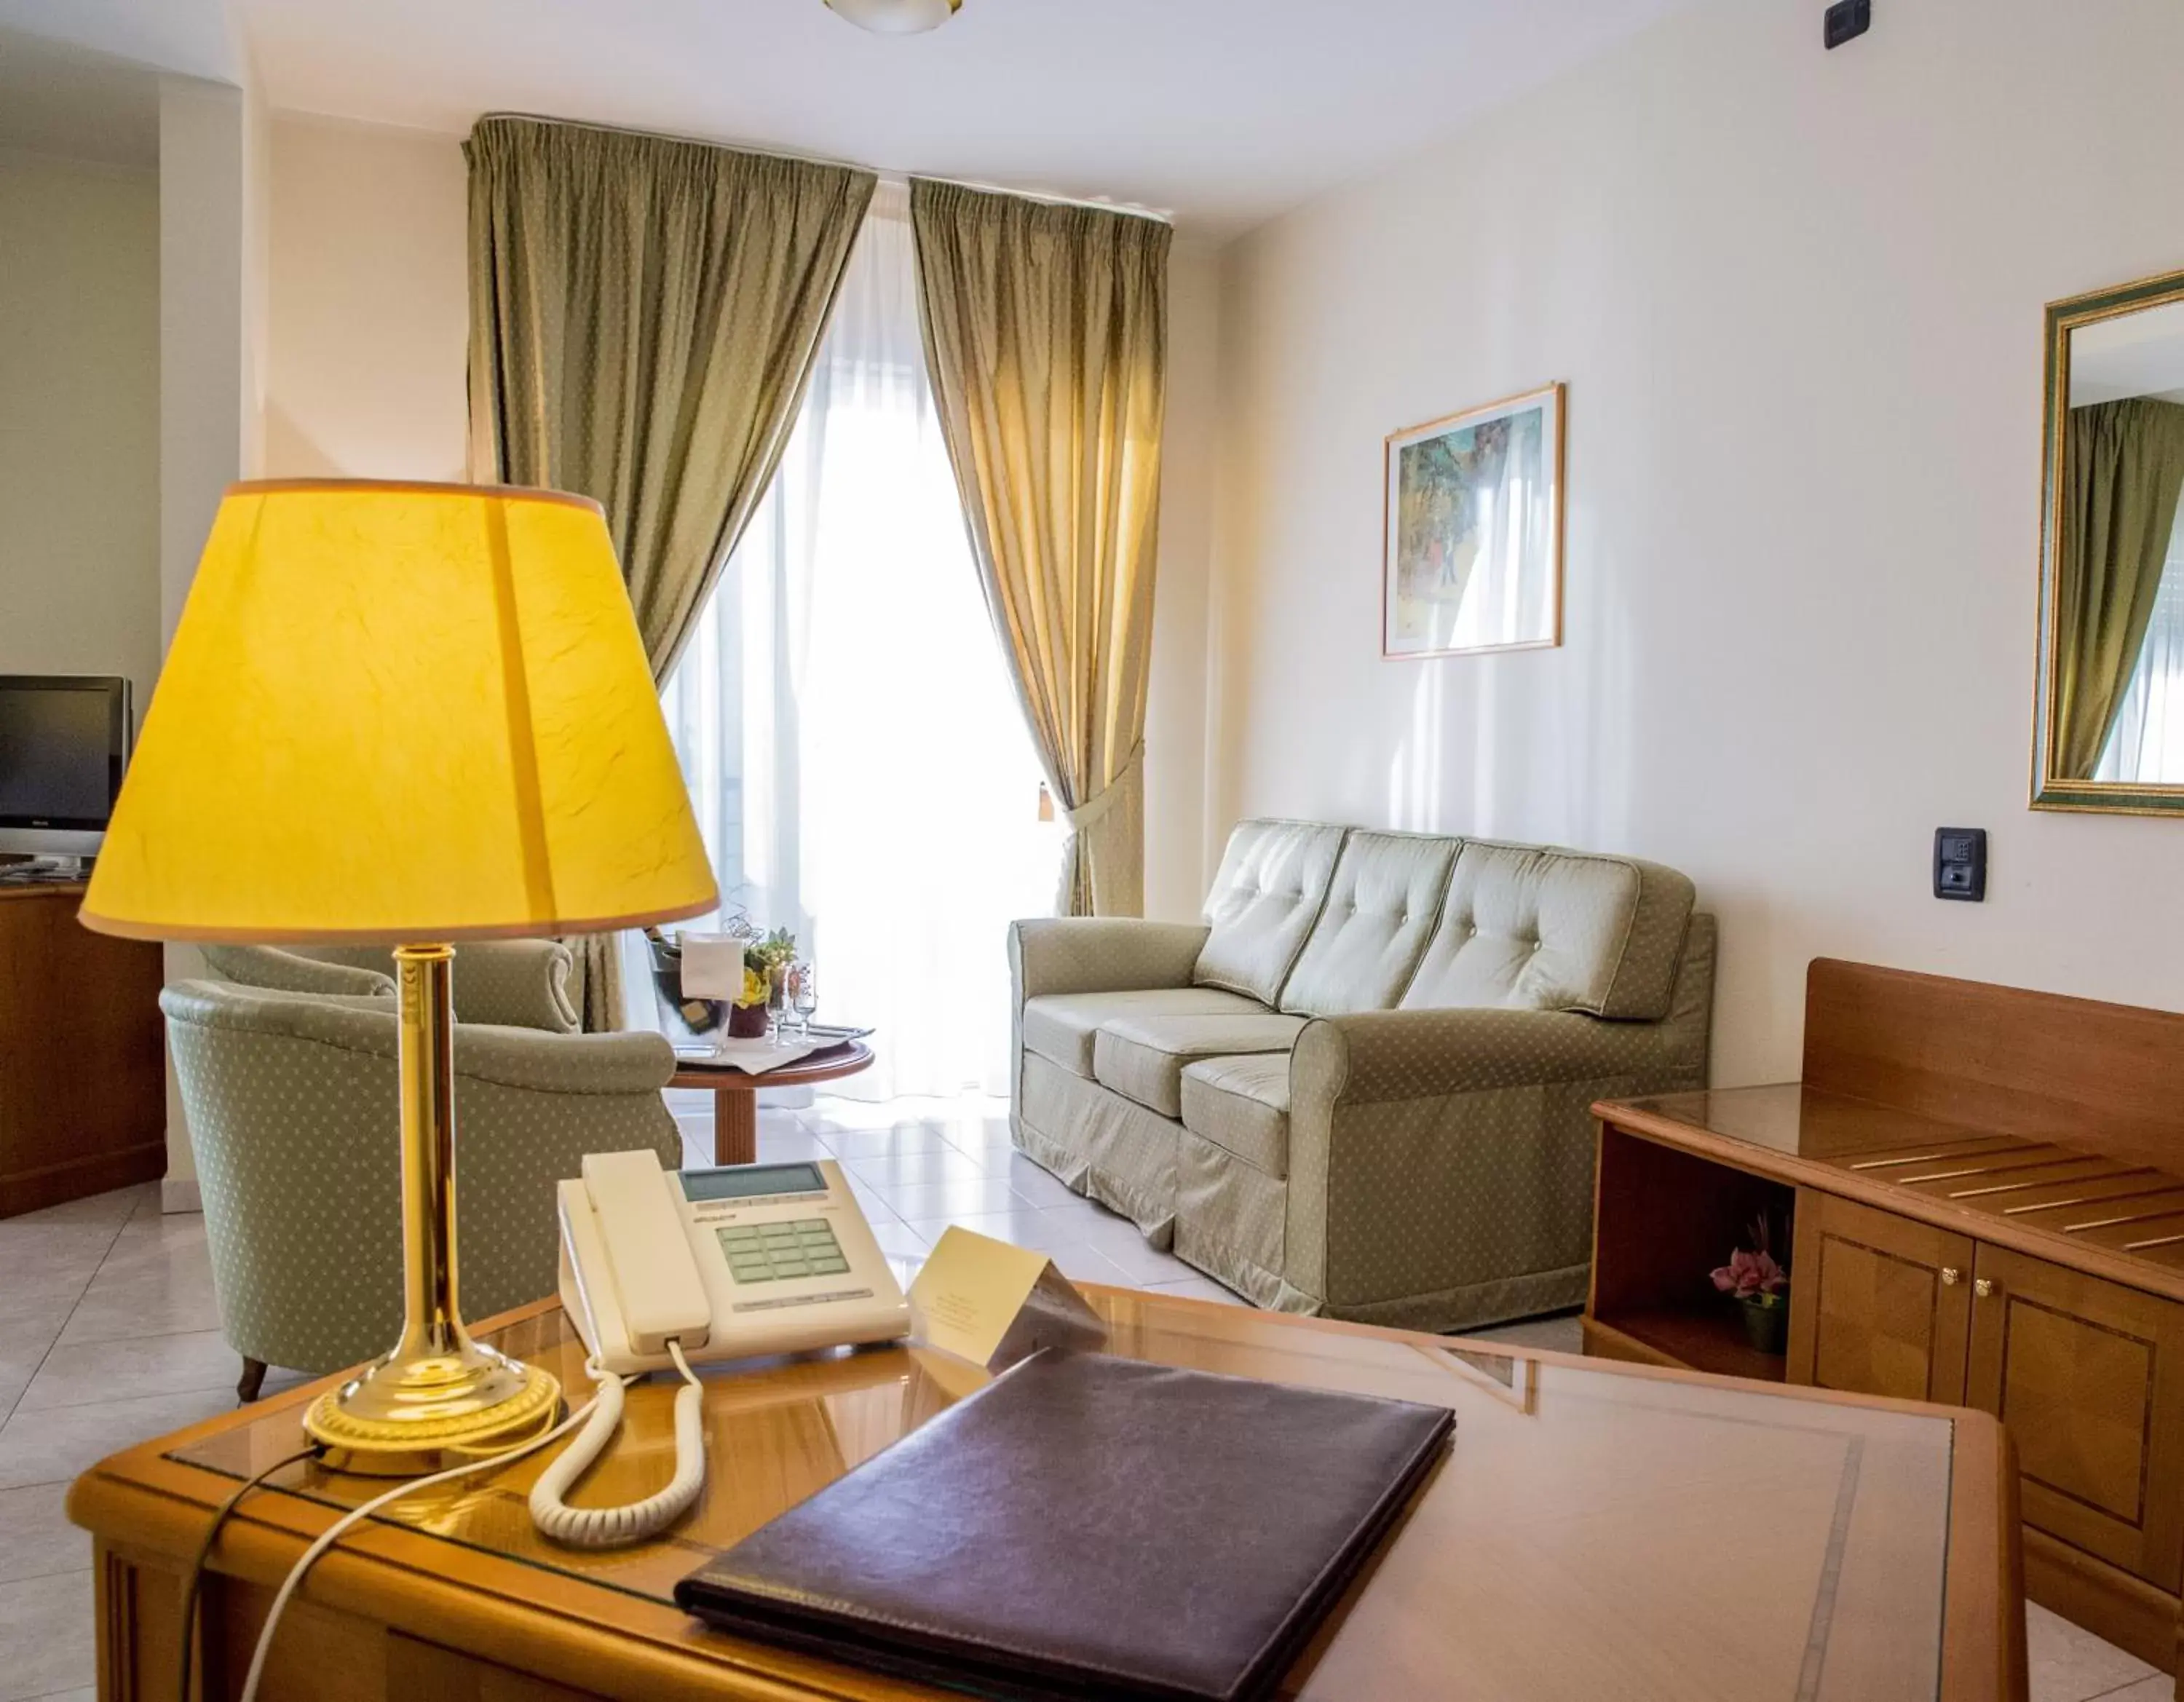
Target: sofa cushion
{"type": "Point", "coordinates": [1381, 906]}
{"type": "Point", "coordinates": [1142, 1057]}
{"type": "Point", "coordinates": [1059, 1027]}
{"type": "Point", "coordinates": [1266, 896]}
{"type": "Point", "coordinates": [1531, 928]}
{"type": "Point", "coordinates": [1241, 1104]}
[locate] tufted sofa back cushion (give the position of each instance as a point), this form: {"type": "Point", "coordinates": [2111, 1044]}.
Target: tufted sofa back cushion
{"type": "Point", "coordinates": [1531, 928]}
{"type": "Point", "coordinates": [1267, 894]}
{"type": "Point", "coordinates": [1380, 910]}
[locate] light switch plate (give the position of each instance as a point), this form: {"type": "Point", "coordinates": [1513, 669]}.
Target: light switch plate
{"type": "Point", "coordinates": [1960, 864]}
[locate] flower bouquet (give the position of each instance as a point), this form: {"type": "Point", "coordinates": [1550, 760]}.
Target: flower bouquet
{"type": "Point", "coordinates": [766, 957]}
{"type": "Point", "coordinates": [1761, 1289]}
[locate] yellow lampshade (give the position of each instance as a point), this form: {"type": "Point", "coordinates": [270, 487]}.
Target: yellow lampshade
{"type": "Point", "coordinates": [401, 712]}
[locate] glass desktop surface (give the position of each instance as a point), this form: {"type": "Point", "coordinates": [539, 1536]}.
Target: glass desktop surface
{"type": "Point", "coordinates": [1658, 1537]}
{"type": "Point", "coordinates": [1798, 1121]}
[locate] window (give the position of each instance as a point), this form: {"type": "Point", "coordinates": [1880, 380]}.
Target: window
{"type": "Point", "coordinates": [854, 749]}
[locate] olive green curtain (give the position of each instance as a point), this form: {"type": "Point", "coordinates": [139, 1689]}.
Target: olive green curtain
{"type": "Point", "coordinates": [1046, 337]}
{"type": "Point", "coordinates": [2124, 474]}
{"type": "Point", "coordinates": [644, 314]}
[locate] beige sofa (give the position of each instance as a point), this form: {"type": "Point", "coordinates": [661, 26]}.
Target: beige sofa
{"type": "Point", "coordinates": [1361, 1087]}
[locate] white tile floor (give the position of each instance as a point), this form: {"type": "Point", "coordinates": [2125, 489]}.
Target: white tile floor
{"type": "Point", "coordinates": [108, 1334]}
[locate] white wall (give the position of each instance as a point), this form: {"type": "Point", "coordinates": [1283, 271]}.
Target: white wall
{"type": "Point", "coordinates": [211, 236]}
{"type": "Point", "coordinates": [368, 302]}
{"type": "Point", "coordinates": [1796, 296]}
{"type": "Point", "coordinates": [79, 419]}
{"type": "Point", "coordinates": [1176, 870]}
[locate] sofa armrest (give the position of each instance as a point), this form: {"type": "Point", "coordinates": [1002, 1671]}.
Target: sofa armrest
{"type": "Point", "coordinates": [1441, 1161]}
{"type": "Point", "coordinates": [1100, 954]}
{"type": "Point", "coordinates": [1378, 1056]}
{"type": "Point", "coordinates": [516, 984]}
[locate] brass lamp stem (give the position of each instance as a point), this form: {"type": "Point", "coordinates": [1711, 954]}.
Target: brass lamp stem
{"type": "Point", "coordinates": [438, 1398]}
{"type": "Point", "coordinates": [432, 1321]}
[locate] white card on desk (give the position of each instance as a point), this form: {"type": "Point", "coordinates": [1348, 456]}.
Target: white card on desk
{"type": "Point", "coordinates": [992, 1303]}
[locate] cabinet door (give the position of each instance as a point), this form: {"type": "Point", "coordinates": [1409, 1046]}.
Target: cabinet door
{"type": "Point", "coordinates": [2089, 1377]}
{"type": "Point", "coordinates": [1879, 1305]}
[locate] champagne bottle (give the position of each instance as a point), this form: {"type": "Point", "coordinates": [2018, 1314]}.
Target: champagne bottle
{"type": "Point", "coordinates": [667, 972]}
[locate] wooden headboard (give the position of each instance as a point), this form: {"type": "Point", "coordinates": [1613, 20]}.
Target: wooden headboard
{"type": "Point", "coordinates": [1999, 1058]}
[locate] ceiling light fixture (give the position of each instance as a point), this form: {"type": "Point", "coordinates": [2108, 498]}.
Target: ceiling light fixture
{"type": "Point", "coordinates": [896, 17]}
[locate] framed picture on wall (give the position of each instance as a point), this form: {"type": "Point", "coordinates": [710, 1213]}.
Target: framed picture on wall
{"type": "Point", "coordinates": [1473, 537]}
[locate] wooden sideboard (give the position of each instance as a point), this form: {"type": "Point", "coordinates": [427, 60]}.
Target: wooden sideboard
{"type": "Point", "coordinates": [1986, 1187]}
{"type": "Point", "coordinates": [83, 1074]}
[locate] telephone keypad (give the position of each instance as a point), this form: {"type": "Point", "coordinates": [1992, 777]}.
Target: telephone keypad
{"type": "Point", "coordinates": [782, 1252]}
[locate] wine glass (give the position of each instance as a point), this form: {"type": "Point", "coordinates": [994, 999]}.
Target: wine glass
{"type": "Point", "coordinates": [804, 995]}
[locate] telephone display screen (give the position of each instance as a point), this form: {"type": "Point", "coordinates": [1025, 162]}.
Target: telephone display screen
{"type": "Point", "coordinates": [752, 1181]}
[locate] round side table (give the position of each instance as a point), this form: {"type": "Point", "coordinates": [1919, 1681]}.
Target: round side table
{"type": "Point", "coordinates": [735, 1094]}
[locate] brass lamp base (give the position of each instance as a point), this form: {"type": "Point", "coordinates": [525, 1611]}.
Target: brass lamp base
{"type": "Point", "coordinates": [437, 1399]}
{"type": "Point", "coordinates": [404, 1418]}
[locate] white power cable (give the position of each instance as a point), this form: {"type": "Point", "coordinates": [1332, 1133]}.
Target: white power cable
{"type": "Point", "coordinates": [605, 1527]}
{"type": "Point", "coordinates": [340, 1527]}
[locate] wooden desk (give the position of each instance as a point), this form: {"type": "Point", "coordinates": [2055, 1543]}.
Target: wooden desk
{"type": "Point", "coordinates": [83, 1080]}
{"type": "Point", "coordinates": [735, 1094]}
{"type": "Point", "coordinates": [1598, 1530]}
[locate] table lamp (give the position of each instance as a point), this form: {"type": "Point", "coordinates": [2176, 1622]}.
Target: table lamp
{"type": "Point", "coordinates": [407, 714]}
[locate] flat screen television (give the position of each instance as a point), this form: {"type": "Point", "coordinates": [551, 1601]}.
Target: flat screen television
{"type": "Point", "coordinates": [63, 743]}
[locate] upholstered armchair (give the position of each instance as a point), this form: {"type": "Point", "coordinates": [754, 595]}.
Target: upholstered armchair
{"type": "Point", "coordinates": [517, 983]}
{"type": "Point", "coordinates": [291, 1098]}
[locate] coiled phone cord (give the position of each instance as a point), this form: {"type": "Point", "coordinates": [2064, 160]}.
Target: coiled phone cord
{"type": "Point", "coordinates": [604, 1527]}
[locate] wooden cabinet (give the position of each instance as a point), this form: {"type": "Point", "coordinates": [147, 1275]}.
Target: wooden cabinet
{"type": "Point", "coordinates": [1888, 1310]}
{"type": "Point", "coordinates": [83, 1082]}
{"type": "Point", "coordinates": [1988, 1189]}
{"type": "Point", "coordinates": [2088, 1377]}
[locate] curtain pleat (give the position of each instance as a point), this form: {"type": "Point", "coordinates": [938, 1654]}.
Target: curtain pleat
{"type": "Point", "coordinates": [644, 314]}
{"type": "Point", "coordinates": [1046, 337]}
{"type": "Point", "coordinates": [2123, 479]}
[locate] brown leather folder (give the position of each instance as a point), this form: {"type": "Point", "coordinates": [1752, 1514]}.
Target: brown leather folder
{"type": "Point", "coordinates": [1087, 1526]}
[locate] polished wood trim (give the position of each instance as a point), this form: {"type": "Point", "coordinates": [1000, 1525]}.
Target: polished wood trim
{"type": "Point", "coordinates": [1983, 1635]}
{"type": "Point", "coordinates": [1999, 1060]}
{"type": "Point", "coordinates": [42, 889]}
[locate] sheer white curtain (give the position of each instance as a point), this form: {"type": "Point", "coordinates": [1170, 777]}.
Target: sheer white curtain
{"type": "Point", "coordinates": [858, 762]}
{"type": "Point", "coordinates": [2147, 743]}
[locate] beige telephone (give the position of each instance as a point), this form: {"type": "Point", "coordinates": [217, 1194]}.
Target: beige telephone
{"type": "Point", "coordinates": [660, 1268]}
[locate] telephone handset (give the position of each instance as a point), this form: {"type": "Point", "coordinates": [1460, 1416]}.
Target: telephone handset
{"type": "Point", "coordinates": [661, 1268]}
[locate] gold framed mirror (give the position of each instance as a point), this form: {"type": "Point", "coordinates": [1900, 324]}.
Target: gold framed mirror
{"type": "Point", "coordinates": [2108, 710]}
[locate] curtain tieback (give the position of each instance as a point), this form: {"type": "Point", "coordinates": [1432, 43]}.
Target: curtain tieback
{"type": "Point", "coordinates": [1084, 815]}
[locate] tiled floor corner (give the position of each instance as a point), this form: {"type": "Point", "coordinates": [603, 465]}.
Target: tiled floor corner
{"type": "Point", "coordinates": [108, 1334]}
